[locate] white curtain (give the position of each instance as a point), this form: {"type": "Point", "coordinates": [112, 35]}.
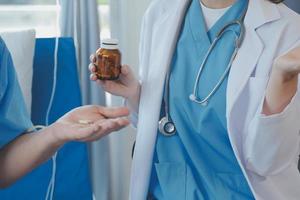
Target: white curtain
{"type": "Point", "coordinates": [79, 19]}
{"type": "Point", "coordinates": [111, 157]}
{"type": "Point", "coordinates": [125, 21]}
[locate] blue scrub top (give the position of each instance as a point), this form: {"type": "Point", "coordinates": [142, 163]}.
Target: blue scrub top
{"type": "Point", "coordinates": [14, 118]}
{"type": "Point", "coordinates": [198, 163]}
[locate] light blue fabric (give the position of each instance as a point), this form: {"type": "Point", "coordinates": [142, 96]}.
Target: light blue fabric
{"type": "Point", "coordinates": [14, 118]}
{"type": "Point", "coordinates": [198, 163]}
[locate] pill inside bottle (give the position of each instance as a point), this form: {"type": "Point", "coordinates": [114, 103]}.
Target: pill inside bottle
{"type": "Point", "coordinates": [108, 60]}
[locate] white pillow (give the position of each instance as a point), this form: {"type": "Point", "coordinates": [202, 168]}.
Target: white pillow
{"type": "Point", "coordinates": [21, 45]}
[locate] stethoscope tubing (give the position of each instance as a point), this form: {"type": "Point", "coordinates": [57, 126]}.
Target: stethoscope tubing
{"type": "Point", "coordinates": [194, 96]}
{"type": "Point", "coordinates": [166, 121]}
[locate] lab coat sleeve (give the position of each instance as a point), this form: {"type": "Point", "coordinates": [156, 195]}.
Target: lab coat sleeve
{"type": "Point", "coordinates": [272, 142]}
{"type": "Point", "coordinates": [133, 117]}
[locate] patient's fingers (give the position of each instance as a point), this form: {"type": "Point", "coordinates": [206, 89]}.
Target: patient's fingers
{"type": "Point", "coordinates": [107, 127]}
{"type": "Point", "coordinates": [83, 133]}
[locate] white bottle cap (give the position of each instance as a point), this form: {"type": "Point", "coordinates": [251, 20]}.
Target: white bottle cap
{"type": "Point", "coordinates": [110, 44]}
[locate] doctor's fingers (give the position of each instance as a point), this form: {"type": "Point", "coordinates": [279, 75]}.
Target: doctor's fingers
{"type": "Point", "coordinates": [127, 76]}
{"type": "Point", "coordinates": [114, 87]}
{"type": "Point", "coordinates": [116, 112]}
{"type": "Point", "coordinates": [93, 77]}
{"type": "Point", "coordinates": [107, 127]}
{"type": "Point", "coordinates": [92, 68]}
{"type": "Point", "coordinates": [93, 58]}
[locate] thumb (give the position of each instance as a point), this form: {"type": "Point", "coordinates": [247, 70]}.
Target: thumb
{"type": "Point", "coordinates": [127, 75]}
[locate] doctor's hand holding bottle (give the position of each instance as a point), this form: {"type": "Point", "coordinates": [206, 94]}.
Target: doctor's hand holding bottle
{"type": "Point", "coordinates": [126, 86]}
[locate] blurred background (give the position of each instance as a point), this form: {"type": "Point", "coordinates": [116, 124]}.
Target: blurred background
{"type": "Point", "coordinates": [110, 159]}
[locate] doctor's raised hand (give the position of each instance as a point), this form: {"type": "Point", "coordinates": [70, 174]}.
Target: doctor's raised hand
{"type": "Point", "coordinates": [126, 86]}
{"type": "Point", "coordinates": [283, 82]}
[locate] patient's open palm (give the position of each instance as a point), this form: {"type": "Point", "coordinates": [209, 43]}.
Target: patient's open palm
{"type": "Point", "coordinates": [89, 123]}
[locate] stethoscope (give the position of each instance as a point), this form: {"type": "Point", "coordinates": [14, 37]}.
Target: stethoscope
{"type": "Point", "coordinates": [166, 126]}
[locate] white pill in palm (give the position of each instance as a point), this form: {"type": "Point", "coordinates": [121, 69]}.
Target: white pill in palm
{"type": "Point", "coordinates": [85, 122]}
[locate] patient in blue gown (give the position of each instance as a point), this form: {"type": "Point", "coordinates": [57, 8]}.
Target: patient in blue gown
{"type": "Point", "coordinates": [22, 148]}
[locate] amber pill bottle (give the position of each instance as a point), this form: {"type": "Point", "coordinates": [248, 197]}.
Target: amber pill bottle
{"type": "Point", "coordinates": [108, 60]}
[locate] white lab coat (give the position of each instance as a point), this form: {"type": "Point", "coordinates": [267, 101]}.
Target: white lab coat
{"type": "Point", "coordinates": [266, 147]}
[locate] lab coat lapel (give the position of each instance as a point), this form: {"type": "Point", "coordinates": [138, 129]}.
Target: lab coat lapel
{"type": "Point", "coordinates": [167, 29]}
{"type": "Point", "coordinates": [259, 13]}
{"type": "Point", "coordinates": [165, 35]}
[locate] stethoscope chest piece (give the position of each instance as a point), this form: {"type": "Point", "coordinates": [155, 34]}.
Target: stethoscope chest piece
{"type": "Point", "coordinates": [166, 127]}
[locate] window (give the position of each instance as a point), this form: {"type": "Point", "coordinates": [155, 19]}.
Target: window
{"type": "Point", "coordinates": [24, 2]}
{"type": "Point", "coordinates": [23, 14]}
{"type": "Point", "coordinates": [103, 9]}
{"type": "Point", "coordinates": [42, 16]}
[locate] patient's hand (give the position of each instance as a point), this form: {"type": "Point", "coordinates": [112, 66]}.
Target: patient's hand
{"type": "Point", "coordinates": [89, 123]}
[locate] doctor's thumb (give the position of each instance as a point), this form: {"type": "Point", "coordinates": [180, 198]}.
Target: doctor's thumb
{"type": "Point", "coordinates": [127, 74]}
{"type": "Point", "coordinates": [125, 70]}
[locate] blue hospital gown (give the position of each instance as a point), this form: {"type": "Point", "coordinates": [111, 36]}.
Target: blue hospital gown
{"type": "Point", "coordinates": [14, 117]}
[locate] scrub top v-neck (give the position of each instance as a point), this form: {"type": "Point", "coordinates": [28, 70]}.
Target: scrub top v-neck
{"type": "Point", "coordinates": [198, 162]}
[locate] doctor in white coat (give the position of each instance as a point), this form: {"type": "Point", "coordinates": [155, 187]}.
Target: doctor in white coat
{"type": "Point", "coordinates": [261, 107]}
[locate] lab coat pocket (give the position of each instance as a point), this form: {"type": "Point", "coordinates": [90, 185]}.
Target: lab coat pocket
{"type": "Point", "coordinates": [252, 98]}
{"type": "Point", "coordinates": [256, 90]}
{"type": "Point", "coordinates": [234, 186]}
{"type": "Point", "coordinates": [252, 101]}
{"type": "Point", "coordinates": [172, 179]}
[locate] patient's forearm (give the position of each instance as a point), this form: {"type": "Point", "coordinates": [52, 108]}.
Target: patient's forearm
{"type": "Point", "coordinates": [24, 154]}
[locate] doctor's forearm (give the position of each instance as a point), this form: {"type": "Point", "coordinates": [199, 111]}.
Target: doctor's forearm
{"type": "Point", "coordinates": [133, 100]}
{"type": "Point", "coordinates": [24, 154]}
{"type": "Point", "coordinates": [280, 91]}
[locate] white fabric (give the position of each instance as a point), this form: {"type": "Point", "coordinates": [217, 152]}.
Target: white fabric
{"type": "Point", "coordinates": [21, 45]}
{"type": "Point", "coordinates": [110, 157]}
{"type": "Point", "coordinates": [267, 148]}
{"type": "Point", "coordinates": [126, 19]}
{"type": "Point", "coordinates": [79, 19]}
{"type": "Point", "coordinates": [211, 15]}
